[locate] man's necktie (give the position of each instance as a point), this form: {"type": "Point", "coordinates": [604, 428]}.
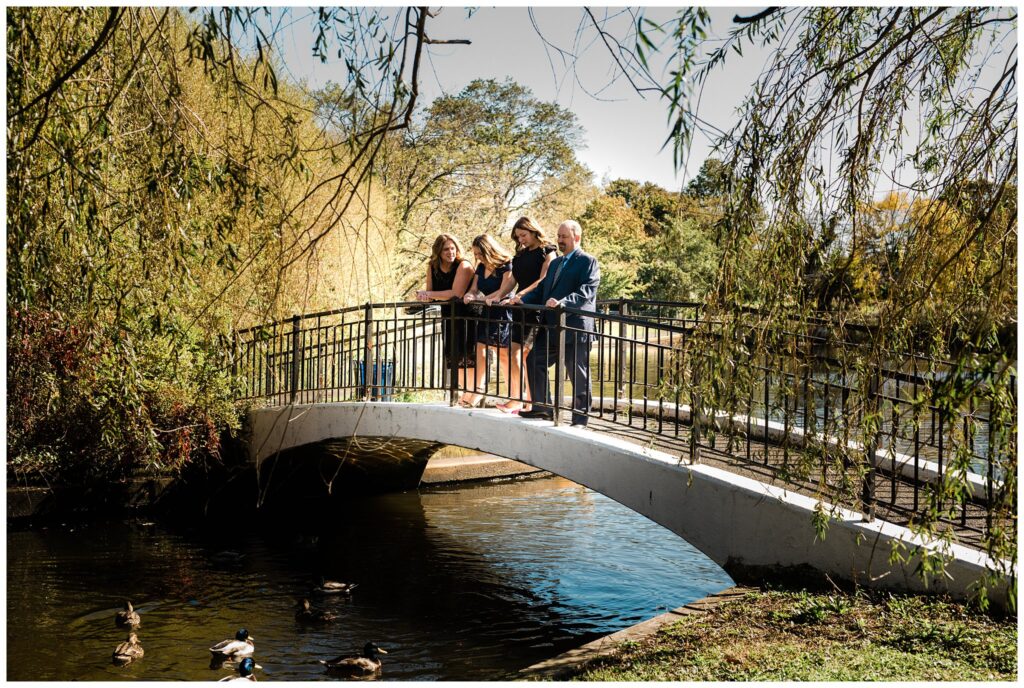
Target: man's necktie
{"type": "Point", "coordinates": [558, 270]}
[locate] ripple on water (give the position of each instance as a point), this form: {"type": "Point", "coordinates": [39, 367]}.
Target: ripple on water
{"type": "Point", "coordinates": [462, 583]}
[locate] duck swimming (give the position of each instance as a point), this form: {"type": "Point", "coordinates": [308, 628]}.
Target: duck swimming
{"type": "Point", "coordinates": [364, 665]}
{"type": "Point", "coordinates": [307, 614]}
{"type": "Point", "coordinates": [245, 669]}
{"type": "Point", "coordinates": [127, 616]}
{"type": "Point", "coordinates": [329, 587]}
{"type": "Point", "coordinates": [128, 651]}
{"type": "Point", "coordinates": [241, 646]}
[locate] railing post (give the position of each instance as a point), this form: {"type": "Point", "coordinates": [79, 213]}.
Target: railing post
{"type": "Point", "coordinates": [695, 417]}
{"type": "Point", "coordinates": [559, 365]}
{"type": "Point", "coordinates": [234, 358]}
{"type": "Point", "coordinates": [871, 452]}
{"type": "Point", "coordinates": [367, 352]}
{"type": "Point", "coordinates": [296, 358]}
{"type": "Point", "coordinates": [339, 360]}
{"type": "Point", "coordinates": [453, 365]}
{"type": "Point", "coordinates": [620, 353]}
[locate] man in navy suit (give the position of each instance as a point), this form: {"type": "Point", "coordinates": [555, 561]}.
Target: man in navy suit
{"type": "Point", "coordinates": [571, 282]}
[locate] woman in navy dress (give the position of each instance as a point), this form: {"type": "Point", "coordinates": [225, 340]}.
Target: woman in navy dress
{"type": "Point", "coordinates": [534, 254]}
{"type": "Point", "coordinates": [493, 271]}
{"type": "Point", "coordinates": [448, 277]}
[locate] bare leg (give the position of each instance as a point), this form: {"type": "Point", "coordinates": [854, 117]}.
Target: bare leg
{"type": "Point", "coordinates": [527, 406]}
{"type": "Point", "coordinates": [519, 387]}
{"type": "Point", "coordinates": [471, 397]}
{"type": "Point", "coordinates": [506, 362]}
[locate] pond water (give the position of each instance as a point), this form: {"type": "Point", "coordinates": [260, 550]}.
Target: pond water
{"type": "Point", "coordinates": [471, 582]}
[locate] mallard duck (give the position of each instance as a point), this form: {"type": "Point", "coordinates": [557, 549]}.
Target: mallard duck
{"type": "Point", "coordinates": [127, 616]}
{"type": "Point", "coordinates": [245, 669]}
{"type": "Point", "coordinates": [128, 651]}
{"type": "Point", "coordinates": [241, 646]}
{"type": "Point", "coordinates": [307, 614]}
{"type": "Point", "coordinates": [329, 587]}
{"type": "Point", "coordinates": [368, 663]}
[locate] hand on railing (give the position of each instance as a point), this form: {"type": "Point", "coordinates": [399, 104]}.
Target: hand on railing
{"type": "Point", "coordinates": [423, 295]}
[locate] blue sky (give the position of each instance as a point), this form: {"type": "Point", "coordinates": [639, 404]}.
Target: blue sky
{"type": "Point", "coordinates": [624, 131]}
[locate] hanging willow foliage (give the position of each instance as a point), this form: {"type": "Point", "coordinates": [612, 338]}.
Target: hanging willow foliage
{"type": "Point", "coordinates": [164, 187]}
{"type": "Point", "coordinates": [870, 239]}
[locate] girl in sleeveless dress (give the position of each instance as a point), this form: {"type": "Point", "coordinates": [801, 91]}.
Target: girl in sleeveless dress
{"type": "Point", "coordinates": [448, 277]}
{"type": "Point", "coordinates": [529, 267]}
{"type": "Point", "coordinates": [493, 331]}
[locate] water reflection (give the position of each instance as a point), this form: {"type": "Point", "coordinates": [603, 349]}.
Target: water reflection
{"type": "Point", "coordinates": [456, 583]}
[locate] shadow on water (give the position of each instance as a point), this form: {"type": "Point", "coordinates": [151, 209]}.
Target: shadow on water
{"type": "Point", "coordinates": [457, 583]}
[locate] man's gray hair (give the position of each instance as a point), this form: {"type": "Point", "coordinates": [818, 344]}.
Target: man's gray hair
{"type": "Point", "coordinates": [574, 226]}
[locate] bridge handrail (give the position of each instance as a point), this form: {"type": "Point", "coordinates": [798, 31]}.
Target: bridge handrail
{"type": "Point", "coordinates": [640, 320]}
{"type": "Point", "coordinates": [632, 318]}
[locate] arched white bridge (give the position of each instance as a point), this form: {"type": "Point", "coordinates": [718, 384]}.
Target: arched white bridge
{"type": "Point", "coordinates": [738, 522]}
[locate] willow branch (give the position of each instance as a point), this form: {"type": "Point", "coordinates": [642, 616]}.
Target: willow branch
{"type": "Point", "coordinates": [113, 19]}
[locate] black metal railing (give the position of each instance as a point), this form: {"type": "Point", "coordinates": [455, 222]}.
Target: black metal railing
{"type": "Point", "coordinates": [799, 411]}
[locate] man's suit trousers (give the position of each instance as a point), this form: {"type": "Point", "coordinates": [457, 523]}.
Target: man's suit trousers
{"type": "Point", "coordinates": [577, 364]}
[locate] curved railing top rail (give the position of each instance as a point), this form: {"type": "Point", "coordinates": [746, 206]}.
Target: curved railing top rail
{"type": "Point", "coordinates": [630, 317]}
{"type": "Point", "coordinates": [695, 305]}
{"type": "Point", "coordinates": [411, 304]}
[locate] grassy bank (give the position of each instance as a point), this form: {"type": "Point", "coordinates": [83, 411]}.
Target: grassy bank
{"type": "Point", "coordinates": [775, 635]}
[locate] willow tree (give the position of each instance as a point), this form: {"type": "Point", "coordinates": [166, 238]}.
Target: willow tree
{"type": "Point", "coordinates": [853, 105]}
{"type": "Point", "coordinates": [165, 186]}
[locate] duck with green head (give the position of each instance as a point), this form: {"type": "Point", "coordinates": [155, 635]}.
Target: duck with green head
{"type": "Point", "coordinates": [364, 665]}
{"type": "Point", "coordinates": [245, 671]}
{"type": "Point", "coordinates": [241, 646]}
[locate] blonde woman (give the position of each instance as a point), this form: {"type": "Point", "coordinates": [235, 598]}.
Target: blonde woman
{"type": "Point", "coordinates": [493, 272]}
{"type": "Point", "coordinates": [449, 275]}
{"type": "Point", "coordinates": [534, 254]}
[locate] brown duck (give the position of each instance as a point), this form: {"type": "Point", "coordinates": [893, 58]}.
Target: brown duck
{"type": "Point", "coordinates": [128, 651]}
{"type": "Point", "coordinates": [306, 614]}
{"type": "Point", "coordinates": [127, 617]}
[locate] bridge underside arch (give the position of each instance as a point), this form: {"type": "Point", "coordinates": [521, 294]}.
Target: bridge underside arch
{"type": "Point", "coordinates": [745, 526]}
{"type": "Point", "coordinates": [342, 465]}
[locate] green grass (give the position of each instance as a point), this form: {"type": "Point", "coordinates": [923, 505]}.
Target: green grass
{"type": "Point", "coordinates": [789, 636]}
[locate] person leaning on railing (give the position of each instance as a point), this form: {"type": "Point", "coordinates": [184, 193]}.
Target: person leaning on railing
{"type": "Point", "coordinates": [448, 277]}
{"type": "Point", "coordinates": [571, 282]}
{"type": "Point", "coordinates": [534, 254]}
{"type": "Point", "coordinates": [493, 273]}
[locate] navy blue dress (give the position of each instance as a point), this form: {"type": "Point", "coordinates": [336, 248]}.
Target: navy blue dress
{"type": "Point", "coordinates": [493, 328]}
{"type": "Point", "coordinates": [526, 268]}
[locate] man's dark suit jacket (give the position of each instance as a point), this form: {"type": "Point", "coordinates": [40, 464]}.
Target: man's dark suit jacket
{"type": "Point", "coordinates": [576, 287]}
